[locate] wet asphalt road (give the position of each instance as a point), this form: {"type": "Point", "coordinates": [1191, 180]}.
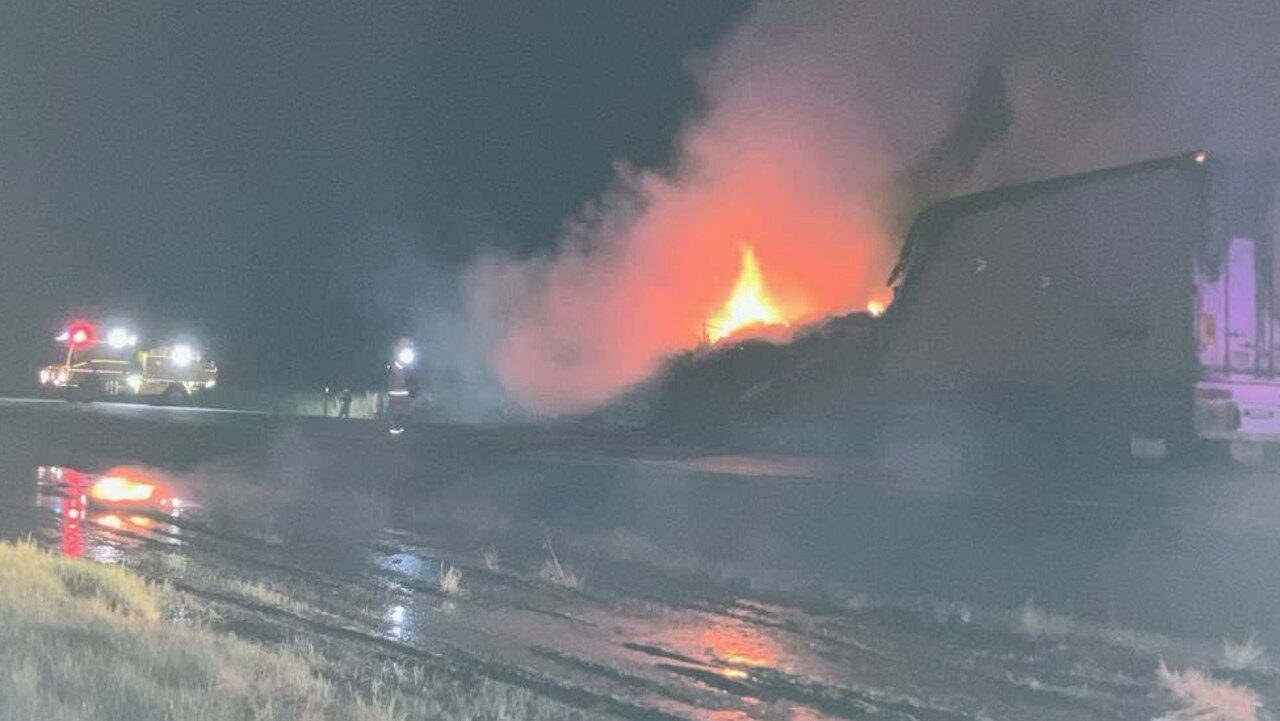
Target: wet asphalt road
{"type": "Point", "coordinates": [921, 581]}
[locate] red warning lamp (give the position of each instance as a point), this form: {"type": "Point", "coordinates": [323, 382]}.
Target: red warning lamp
{"type": "Point", "coordinates": [78, 334]}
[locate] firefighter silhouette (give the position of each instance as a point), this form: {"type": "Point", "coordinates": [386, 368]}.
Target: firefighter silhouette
{"type": "Point", "coordinates": [344, 403]}
{"type": "Point", "coordinates": [402, 385]}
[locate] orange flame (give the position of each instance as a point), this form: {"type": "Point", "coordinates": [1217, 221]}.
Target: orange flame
{"type": "Point", "coordinates": [749, 305]}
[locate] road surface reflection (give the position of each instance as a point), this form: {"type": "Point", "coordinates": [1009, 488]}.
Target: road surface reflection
{"type": "Point", "coordinates": [98, 515]}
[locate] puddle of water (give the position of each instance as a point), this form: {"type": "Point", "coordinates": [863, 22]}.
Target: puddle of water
{"type": "Point", "coordinates": [730, 644]}
{"type": "Point", "coordinates": [101, 516]}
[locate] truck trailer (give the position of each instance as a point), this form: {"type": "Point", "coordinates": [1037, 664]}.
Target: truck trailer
{"type": "Point", "coordinates": [1140, 299]}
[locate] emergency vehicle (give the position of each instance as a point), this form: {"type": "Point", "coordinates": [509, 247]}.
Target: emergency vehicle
{"type": "Point", "coordinates": [97, 367]}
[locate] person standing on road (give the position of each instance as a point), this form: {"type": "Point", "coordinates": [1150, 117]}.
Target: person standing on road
{"type": "Point", "coordinates": [402, 386]}
{"type": "Point", "coordinates": [344, 404]}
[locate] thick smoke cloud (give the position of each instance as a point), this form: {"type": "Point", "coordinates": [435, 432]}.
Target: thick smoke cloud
{"type": "Point", "coordinates": [828, 124]}
{"type": "Point", "coordinates": [375, 263]}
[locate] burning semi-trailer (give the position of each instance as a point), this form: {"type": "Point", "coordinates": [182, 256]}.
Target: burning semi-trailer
{"type": "Point", "coordinates": [1134, 304]}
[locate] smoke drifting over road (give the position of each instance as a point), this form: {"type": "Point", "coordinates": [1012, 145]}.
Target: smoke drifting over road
{"type": "Point", "coordinates": [827, 124]}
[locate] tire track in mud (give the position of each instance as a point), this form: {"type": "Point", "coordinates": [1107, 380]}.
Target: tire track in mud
{"type": "Point", "coordinates": [454, 661]}
{"type": "Point", "coordinates": [772, 683]}
{"type": "Point", "coordinates": [336, 626]}
{"type": "Point", "coordinates": [343, 627]}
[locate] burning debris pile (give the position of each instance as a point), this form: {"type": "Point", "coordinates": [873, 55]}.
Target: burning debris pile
{"type": "Point", "coordinates": [756, 387]}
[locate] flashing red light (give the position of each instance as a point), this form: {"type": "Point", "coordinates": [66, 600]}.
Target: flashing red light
{"type": "Point", "coordinates": [79, 334]}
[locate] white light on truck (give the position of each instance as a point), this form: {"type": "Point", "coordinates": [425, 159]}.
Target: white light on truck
{"type": "Point", "coordinates": [182, 355]}
{"type": "Point", "coordinates": [134, 381]}
{"type": "Point", "coordinates": [121, 338]}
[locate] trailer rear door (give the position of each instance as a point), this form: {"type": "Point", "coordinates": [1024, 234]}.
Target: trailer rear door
{"type": "Point", "coordinates": [1241, 287]}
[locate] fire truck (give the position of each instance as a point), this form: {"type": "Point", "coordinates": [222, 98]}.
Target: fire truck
{"type": "Point", "coordinates": [95, 367]}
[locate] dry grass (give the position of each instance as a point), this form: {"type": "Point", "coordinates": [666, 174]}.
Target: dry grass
{"type": "Point", "coordinates": [1035, 622]}
{"type": "Point", "coordinates": [490, 558]}
{"type": "Point", "coordinates": [1247, 656]}
{"type": "Point", "coordinates": [554, 573]}
{"type": "Point", "coordinates": [44, 587]}
{"type": "Point", "coordinates": [259, 593]}
{"type": "Point", "coordinates": [1204, 698]}
{"type": "Point", "coordinates": [450, 580]}
{"type": "Point", "coordinates": [397, 695]}
{"type": "Point", "coordinates": [262, 593]}
{"type": "Point", "coordinates": [85, 642]}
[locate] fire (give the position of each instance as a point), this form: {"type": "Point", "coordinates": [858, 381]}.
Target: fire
{"type": "Point", "coordinates": [749, 305]}
{"type": "Point", "coordinates": [654, 268]}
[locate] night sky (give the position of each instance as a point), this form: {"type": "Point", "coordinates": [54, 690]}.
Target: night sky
{"type": "Point", "coordinates": [287, 182]}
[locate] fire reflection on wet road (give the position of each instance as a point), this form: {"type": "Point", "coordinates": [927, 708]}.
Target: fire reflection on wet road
{"type": "Point", "coordinates": [99, 516]}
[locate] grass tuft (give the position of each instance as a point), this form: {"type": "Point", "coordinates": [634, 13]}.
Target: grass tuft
{"type": "Point", "coordinates": [450, 580]}
{"type": "Point", "coordinates": [1204, 698]}
{"type": "Point", "coordinates": [34, 582]}
{"type": "Point", "coordinates": [554, 573]}
{"type": "Point", "coordinates": [1035, 622]}
{"type": "Point", "coordinates": [490, 558]}
{"type": "Point", "coordinates": [1246, 656]}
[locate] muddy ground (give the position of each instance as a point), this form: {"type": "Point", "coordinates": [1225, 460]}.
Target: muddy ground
{"type": "Point", "coordinates": [926, 579]}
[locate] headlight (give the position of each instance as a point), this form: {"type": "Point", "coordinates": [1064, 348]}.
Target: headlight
{"type": "Point", "coordinates": [134, 381]}
{"type": "Point", "coordinates": [120, 338]}
{"type": "Point", "coordinates": [44, 377]}
{"type": "Point", "coordinates": [182, 355]}
{"type": "Point", "coordinates": [210, 383]}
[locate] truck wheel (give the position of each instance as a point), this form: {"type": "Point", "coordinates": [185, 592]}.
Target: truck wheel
{"type": "Point", "coordinates": [87, 392]}
{"type": "Point", "coordinates": [1148, 449]}
{"type": "Point", "coordinates": [173, 396]}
